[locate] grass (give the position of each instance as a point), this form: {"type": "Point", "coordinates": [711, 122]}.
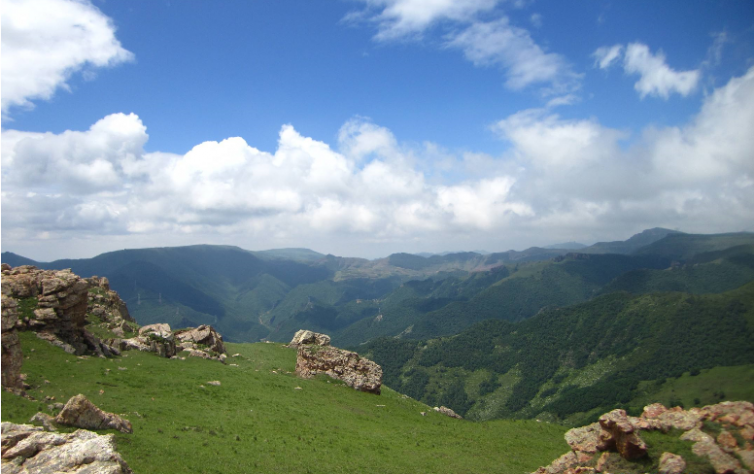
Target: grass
{"type": "Point", "coordinates": [258, 421]}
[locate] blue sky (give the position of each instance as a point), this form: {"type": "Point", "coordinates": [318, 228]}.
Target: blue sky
{"type": "Point", "coordinates": [366, 127]}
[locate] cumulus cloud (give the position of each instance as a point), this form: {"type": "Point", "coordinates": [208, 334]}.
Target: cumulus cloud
{"type": "Point", "coordinates": [511, 48]}
{"type": "Point", "coordinates": [45, 42]}
{"type": "Point", "coordinates": [560, 178]}
{"type": "Point", "coordinates": [656, 77]}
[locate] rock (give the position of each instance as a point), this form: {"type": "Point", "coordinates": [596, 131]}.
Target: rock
{"type": "Point", "coordinates": [161, 330]}
{"type": "Point", "coordinates": [214, 382]}
{"type": "Point", "coordinates": [157, 338]}
{"type": "Point", "coordinates": [671, 464]}
{"type": "Point", "coordinates": [204, 335]}
{"type": "Point", "coordinates": [560, 465]}
{"type": "Point", "coordinates": [618, 433]}
{"type": "Point", "coordinates": [448, 412]}
{"type": "Point", "coordinates": [677, 418]}
{"type": "Point", "coordinates": [601, 462]}
{"type": "Point", "coordinates": [82, 413]}
{"type": "Point", "coordinates": [44, 420]}
{"type": "Point", "coordinates": [722, 462]}
{"type": "Point", "coordinates": [357, 372]}
{"type": "Point", "coordinates": [727, 441]}
{"type": "Point", "coordinates": [739, 414]}
{"type": "Point", "coordinates": [305, 337]}
{"type": "Point", "coordinates": [584, 439]}
{"type": "Point", "coordinates": [62, 305]}
{"type": "Point", "coordinates": [696, 435]}
{"type": "Point", "coordinates": [28, 450]}
{"type": "Point", "coordinates": [12, 356]}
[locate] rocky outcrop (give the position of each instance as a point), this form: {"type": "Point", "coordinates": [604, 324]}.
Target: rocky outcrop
{"type": "Point", "coordinates": [618, 432]}
{"type": "Point", "coordinates": [306, 337]}
{"type": "Point", "coordinates": [106, 304]}
{"type": "Point", "coordinates": [29, 449]}
{"type": "Point", "coordinates": [203, 337]}
{"type": "Point", "coordinates": [357, 372]}
{"type": "Point", "coordinates": [82, 413]}
{"type": "Point", "coordinates": [447, 412]}
{"type": "Point", "coordinates": [62, 301]}
{"type": "Point", "coordinates": [157, 338]}
{"type": "Point", "coordinates": [12, 357]}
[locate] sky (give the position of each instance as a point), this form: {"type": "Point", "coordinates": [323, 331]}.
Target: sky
{"type": "Point", "coordinates": [368, 127]}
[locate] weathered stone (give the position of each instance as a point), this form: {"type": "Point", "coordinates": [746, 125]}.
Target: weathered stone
{"type": "Point", "coordinates": [305, 337]}
{"type": "Point", "coordinates": [12, 356]}
{"type": "Point", "coordinates": [204, 335]}
{"type": "Point", "coordinates": [82, 413]}
{"type": "Point", "coordinates": [671, 464]}
{"type": "Point", "coordinates": [357, 372]}
{"type": "Point", "coordinates": [62, 304]}
{"type": "Point", "coordinates": [560, 465]}
{"type": "Point", "coordinates": [602, 462]}
{"type": "Point", "coordinates": [696, 435]}
{"type": "Point", "coordinates": [448, 412]}
{"type": "Point", "coordinates": [27, 450]}
{"type": "Point", "coordinates": [654, 410]}
{"type": "Point", "coordinates": [44, 420]}
{"type": "Point", "coordinates": [727, 441]}
{"type": "Point", "coordinates": [618, 433]}
{"type": "Point", "coordinates": [679, 419]}
{"type": "Point", "coordinates": [584, 439]}
{"type": "Point", "coordinates": [722, 462]}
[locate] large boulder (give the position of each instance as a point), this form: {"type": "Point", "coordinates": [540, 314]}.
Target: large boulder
{"type": "Point", "coordinates": [619, 434]}
{"type": "Point", "coordinates": [203, 336]}
{"type": "Point", "coordinates": [357, 372]}
{"type": "Point", "coordinates": [584, 439]}
{"type": "Point", "coordinates": [82, 413]}
{"type": "Point", "coordinates": [157, 338]}
{"type": "Point", "coordinates": [305, 337]}
{"type": "Point", "coordinates": [28, 449]}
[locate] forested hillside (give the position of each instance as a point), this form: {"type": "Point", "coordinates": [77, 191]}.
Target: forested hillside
{"type": "Point", "coordinates": [568, 363]}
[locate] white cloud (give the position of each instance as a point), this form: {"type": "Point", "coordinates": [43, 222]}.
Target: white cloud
{"type": "Point", "coordinates": [559, 178]}
{"type": "Point", "coordinates": [511, 48]}
{"type": "Point", "coordinates": [605, 56]}
{"type": "Point", "coordinates": [399, 18]}
{"type": "Point", "coordinates": [45, 42]}
{"type": "Point", "coordinates": [657, 78]}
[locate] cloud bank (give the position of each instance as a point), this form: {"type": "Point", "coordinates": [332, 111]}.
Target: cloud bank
{"type": "Point", "coordinates": [560, 179]}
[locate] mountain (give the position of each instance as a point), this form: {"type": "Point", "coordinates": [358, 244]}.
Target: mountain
{"type": "Point", "coordinates": [633, 244]}
{"type": "Point", "coordinates": [567, 246]}
{"type": "Point", "coordinates": [566, 364]}
{"type": "Point", "coordinates": [271, 294]}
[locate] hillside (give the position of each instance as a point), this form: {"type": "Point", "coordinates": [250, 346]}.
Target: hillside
{"type": "Point", "coordinates": [270, 294]}
{"type": "Point", "coordinates": [258, 421]}
{"type": "Point", "coordinates": [570, 363]}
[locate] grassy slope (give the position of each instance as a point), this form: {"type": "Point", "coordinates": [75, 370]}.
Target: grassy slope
{"type": "Point", "coordinates": [256, 421]}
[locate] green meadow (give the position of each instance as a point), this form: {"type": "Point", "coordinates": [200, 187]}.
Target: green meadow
{"type": "Point", "coordinates": [262, 418]}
